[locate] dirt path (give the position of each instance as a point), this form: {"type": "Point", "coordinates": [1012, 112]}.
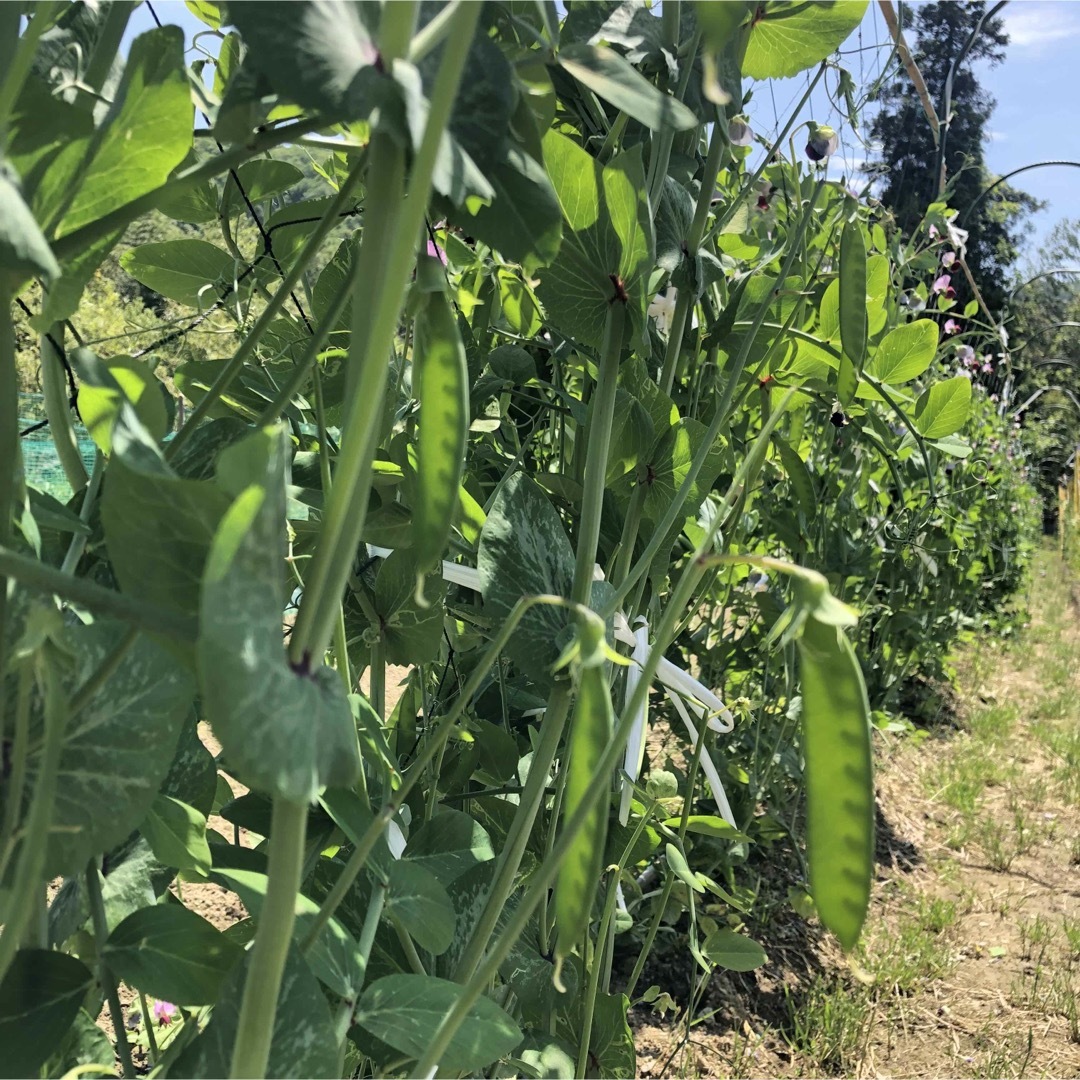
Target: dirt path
{"type": "Point", "coordinates": [970, 965]}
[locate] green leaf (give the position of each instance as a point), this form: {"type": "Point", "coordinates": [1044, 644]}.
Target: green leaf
{"type": "Point", "coordinates": [448, 845]}
{"type": "Point", "coordinates": [411, 634]}
{"type": "Point", "coordinates": [681, 869]}
{"type": "Point", "coordinates": [173, 954]}
{"type": "Point", "coordinates": [118, 747]}
{"type": "Point", "coordinates": [422, 906]}
{"type": "Point", "coordinates": [707, 825]}
{"type": "Point", "coordinates": [789, 36]}
{"type": "Point", "coordinates": [316, 53]}
{"type": "Point", "coordinates": [192, 776]}
{"type": "Point", "coordinates": [733, 951]}
{"type": "Point", "coordinates": [904, 353]}
{"type": "Point", "coordinates": [24, 251]}
{"type": "Point", "coordinates": [607, 229]}
{"type": "Point", "coordinates": [84, 1044]}
{"type": "Point", "coordinates": [799, 477]}
{"type": "Point", "coordinates": [405, 1010]}
{"type": "Point", "coordinates": [103, 387]}
{"type": "Point", "coordinates": [839, 778]}
{"type": "Point", "coordinates": [943, 408]}
{"type": "Point", "coordinates": [194, 203]}
{"type": "Point", "coordinates": [523, 220]}
{"type": "Point", "coordinates": [335, 958]}
{"type": "Point", "coordinates": [524, 552]}
{"type": "Point", "coordinates": [39, 999]}
{"type": "Point", "coordinates": [304, 1042]}
{"type": "Point", "coordinates": [176, 834]}
{"type": "Point", "coordinates": [158, 527]}
{"type": "Point", "coordinates": [260, 179]}
{"type": "Point", "coordinates": [285, 732]}
{"type": "Point", "coordinates": [612, 78]}
{"type": "Point", "coordinates": [194, 273]}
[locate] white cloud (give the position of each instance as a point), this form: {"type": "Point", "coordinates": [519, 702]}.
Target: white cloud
{"type": "Point", "coordinates": [1036, 25]}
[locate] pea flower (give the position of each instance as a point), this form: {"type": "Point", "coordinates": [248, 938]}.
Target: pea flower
{"type": "Point", "coordinates": [952, 326]}
{"type": "Point", "coordinates": [912, 301]}
{"type": "Point", "coordinates": [739, 133]}
{"type": "Point", "coordinates": [987, 366]}
{"type": "Point", "coordinates": [957, 237]}
{"type": "Point", "coordinates": [966, 355]}
{"type": "Point", "coordinates": [948, 258]}
{"type": "Point", "coordinates": [822, 143]}
{"type": "Point", "coordinates": [164, 1012]}
{"type": "Point", "coordinates": [943, 286]}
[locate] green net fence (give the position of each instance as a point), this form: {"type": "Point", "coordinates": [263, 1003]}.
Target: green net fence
{"type": "Point", "coordinates": [40, 460]}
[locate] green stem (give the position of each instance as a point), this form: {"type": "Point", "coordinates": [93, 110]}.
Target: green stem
{"type": "Point", "coordinates": [9, 454]}
{"type": "Point", "coordinates": [85, 593]}
{"type": "Point", "coordinates": [683, 302]}
{"type": "Point", "coordinates": [251, 1052]}
{"type": "Point", "coordinates": [58, 408]}
{"type": "Point", "coordinates": [31, 865]}
{"type": "Point", "coordinates": [148, 1022]}
{"type": "Point", "coordinates": [558, 707]}
{"type": "Point", "coordinates": [16, 782]}
{"type": "Point", "coordinates": [589, 1005]}
{"type": "Point", "coordinates": [347, 512]}
{"type": "Point", "coordinates": [108, 43]}
{"type": "Point", "coordinates": [733, 373]}
{"type": "Point", "coordinates": [78, 541]}
{"type": "Point", "coordinates": [599, 787]}
{"type": "Point", "coordinates": [108, 984]}
{"type": "Point", "coordinates": [235, 364]}
{"type": "Point", "coordinates": [718, 143]}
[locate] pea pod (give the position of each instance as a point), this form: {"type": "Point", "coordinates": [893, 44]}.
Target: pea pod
{"type": "Point", "coordinates": [590, 734]}
{"type": "Point", "coordinates": [441, 381]}
{"type": "Point", "coordinates": [852, 311]}
{"type": "Point", "coordinates": [839, 778]}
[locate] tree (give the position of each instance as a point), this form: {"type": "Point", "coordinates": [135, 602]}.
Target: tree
{"type": "Point", "coordinates": [912, 164]}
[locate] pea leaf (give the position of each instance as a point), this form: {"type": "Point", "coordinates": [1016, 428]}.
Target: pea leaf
{"type": "Point", "coordinates": [789, 36]}
{"type": "Point", "coordinates": [24, 251]}
{"type": "Point", "coordinates": [611, 77]}
{"type": "Point", "coordinates": [405, 1010]}
{"type": "Point", "coordinates": [39, 999]}
{"type": "Point", "coordinates": [176, 834]}
{"type": "Point", "coordinates": [943, 408]}
{"type": "Point", "coordinates": [288, 733]}
{"type": "Point", "coordinates": [194, 273]}
{"type": "Point", "coordinates": [303, 1043]}
{"type": "Point", "coordinates": [733, 951]}
{"type": "Point", "coordinates": [904, 353]}
{"type": "Point", "coordinates": [448, 845]}
{"type": "Point", "coordinates": [607, 230]}
{"type": "Point", "coordinates": [422, 906]}
{"type": "Point", "coordinates": [173, 954]}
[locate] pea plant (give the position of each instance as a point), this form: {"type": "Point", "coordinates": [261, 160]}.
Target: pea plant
{"type": "Point", "coordinates": [550, 400]}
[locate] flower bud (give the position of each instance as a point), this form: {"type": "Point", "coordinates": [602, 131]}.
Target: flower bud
{"type": "Point", "coordinates": [822, 143]}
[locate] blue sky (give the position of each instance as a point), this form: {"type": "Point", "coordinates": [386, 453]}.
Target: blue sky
{"type": "Point", "coordinates": [1037, 88]}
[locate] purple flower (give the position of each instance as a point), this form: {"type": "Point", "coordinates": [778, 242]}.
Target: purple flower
{"type": "Point", "coordinates": [952, 326]}
{"type": "Point", "coordinates": [948, 258]}
{"type": "Point", "coordinates": [822, 143]}
{"type": "Point", "coordinates": [739, 132]}
{"type": "Point", "coordinates": [164, 1012]}
{"type": "Point", "coordinates": [966, 355]}
{"type": "Point", "coordinates": [933, 232]}
{"type": "Point", "coordinates": [987, 366]}
{"type": "Point", "coordinates": [435, 251]}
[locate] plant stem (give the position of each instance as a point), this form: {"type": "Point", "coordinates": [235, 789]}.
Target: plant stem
{"type": "Point", "coordinates": [58, 408]}
{"type": "Point", "coordinates": [108, 984]}
{"type": "Point", "coordinates": [31, 865]}
{"type": "Point", "coordinates": [17, 55]}
{"type": "Point", "coordinates": [108, 43]}
{"type": "Point", "coordinates": [78, 541]}
{"type": "Point", "coordinates": [558, 707]}
{"type": "Point", "coordinates": [589, 1005]}
{"type": "Point", "coordinates": [102, 601]}
{"type": "Point", "coordinates": [9, 456]}
{"type": "Point", "coordinates": [255, 1031]}
{"type": "Point", "coordinates": [151, 1038]}
{"type": "Point", "coordinates": [683, 303]}
{"type": "Point", "coordinates": [347, 511]}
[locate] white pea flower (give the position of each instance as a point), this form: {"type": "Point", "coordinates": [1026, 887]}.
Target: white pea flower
{"type": "Point", "coordinates": [662, 309]}
{"type": "Point", "coordinates": [739, 133]}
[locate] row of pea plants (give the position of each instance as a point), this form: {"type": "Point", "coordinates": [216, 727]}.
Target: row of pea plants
{"type": "Point", "coordinates": [586, 402]}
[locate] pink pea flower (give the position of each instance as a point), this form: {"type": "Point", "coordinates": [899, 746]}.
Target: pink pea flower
{"type": "Point", "coordinates": [952, 326]}
{"type": "Point", "coordinates": [966, 355]}
{"type": "Point", "coordinates": [943, 287]}
{"type": "Point", "coordinates": [948, 258]}
{"type": "Point", "coordinates": [436, 252]}
{"type": "Point", "coordinates": [164, 1012]}
{"type": "Point", "coordinates": [822, 143]}
{"type": "Point", "coordinates": [933, 232]}
{"type": "Point", "coordinates": [987, 367]}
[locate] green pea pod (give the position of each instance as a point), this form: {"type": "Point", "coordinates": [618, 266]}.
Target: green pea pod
{"type": "Point", "coordinates": [839, 778]}
{"type": "Point", "coordinates": [799, 476]}
{"type": "Point", "coordinates": [852, 311]}
{"type": "Point", "coordinates": [441, 381]}
{"type": "Point", "coordinates": [579, 874]}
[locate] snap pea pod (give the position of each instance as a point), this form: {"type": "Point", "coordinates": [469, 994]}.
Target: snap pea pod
{"type": "Point", "coordinates": [852, 311]}
{"type": "Point", "coordinates": [839, 778]}
{"type": "Point", "coordinates": [590, 733]}
{"type": "Point", "coordinates": [441, 382]}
